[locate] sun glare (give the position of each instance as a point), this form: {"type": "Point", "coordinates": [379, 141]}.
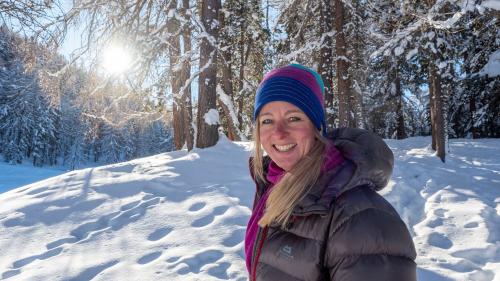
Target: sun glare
{"type": "Point", "coordinates": [116, 60]}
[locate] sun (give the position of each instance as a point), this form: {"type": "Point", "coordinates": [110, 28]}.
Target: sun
{"type": "Point", "coordinates": [116, 59]}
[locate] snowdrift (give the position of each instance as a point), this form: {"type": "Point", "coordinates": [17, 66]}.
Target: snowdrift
{"type": "Point", "coordinates": [182, 216]}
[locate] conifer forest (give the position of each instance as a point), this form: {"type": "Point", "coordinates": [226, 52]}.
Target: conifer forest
{"type": "Point", "coordinates": [147, 76]}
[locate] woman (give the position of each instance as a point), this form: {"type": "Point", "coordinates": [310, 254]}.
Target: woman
{"type": "Point", "coordinates": [316, 213]}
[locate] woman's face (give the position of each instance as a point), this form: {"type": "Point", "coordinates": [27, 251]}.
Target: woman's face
{"type": "Point", "coordinates": [286, 133]}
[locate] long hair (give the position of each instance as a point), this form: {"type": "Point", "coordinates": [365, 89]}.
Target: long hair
{"type": "Point", "coordinates": [294, 185]}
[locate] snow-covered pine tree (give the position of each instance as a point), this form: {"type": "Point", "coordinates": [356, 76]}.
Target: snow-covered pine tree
{"type": "Point", "coordinates": [242, 41]}
{"type": "Point", "coordinates": [386, 100]}
{"type": "Point", "coordinates": [110, 143]}
{"type": "Point", "coordinates": [475, 107]}
{"type": "Point", "coordinates": [27, 121]}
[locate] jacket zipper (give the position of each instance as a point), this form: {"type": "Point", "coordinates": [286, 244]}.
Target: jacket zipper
{"type": "Point", "coordinates": [259, 242]}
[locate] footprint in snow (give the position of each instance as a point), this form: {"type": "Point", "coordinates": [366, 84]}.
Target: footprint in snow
{"type": "Point", "coordinates": [115, 220]}
{"type": "Point", "coordinates": [435, 223]}
{"type": "Point", "coordinates": [195, 263]}
{"type": "Point", "coordinates": [159, 233]}
{"type": "Point", "coordinates": [149, 258]}
{"type": "Point", "coordinates": [460, 266]}
{"type": "Point", "coordinates": [479, 256]}
{"type": "Point", "coordinates": [439, 240]}
{"type": "Point", "coordinates": [473, 224]}
{"type": "Point", "coordinates": [59, 242]}
{"type": "Point", "coordinates": [173, 259]}
{"type": "Point", "coordinates": [235, 238]}
{"type": "Point", "coordinates": [197, 206]}
{"type": "Point", "coordinates": [46, 255]}
{"type": "Point", "coordinates": [219, 270]}
{"type": "Point", "coordinates": [130, 205]}
{"type": "Point", "coordinates": [440, 212]}
{"type": "Point", "coordinates": [208, 219]}
{"type": "Point", "coordinates": [10, 273]}
{"type": "Point", "coordinates": [91, 272]}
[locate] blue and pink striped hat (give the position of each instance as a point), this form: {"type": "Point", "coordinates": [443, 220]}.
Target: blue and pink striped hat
{"type": "Point", "coordinates": [298, 85]}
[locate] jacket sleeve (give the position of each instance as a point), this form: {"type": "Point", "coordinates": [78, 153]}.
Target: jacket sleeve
{"type": "Point", "coordinates": [370, 244]}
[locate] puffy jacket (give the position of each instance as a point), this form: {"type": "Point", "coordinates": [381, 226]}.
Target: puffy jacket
{"type": "Point", "coordinates": [342, 230]}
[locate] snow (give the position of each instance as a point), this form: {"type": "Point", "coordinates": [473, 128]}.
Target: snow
{"type": "Point", "coordinates": [491, 4]}
{"type": "Point", "coordinates": [442, 64]}
{"type": "Point", "coordinates": [492, 68]}
{"type": "Point", "coordinates": [182, 216]}
{"type": "Point", "coordinates": [398, 51]}
{"type": "Point", "coordinates": [411, 54]}
{"type": "Point", "coordinates": [12, 176]}
{"type": "Point", "coordinates": [212, 117]}
{"type": "Point", "coordinates": [226, 99]}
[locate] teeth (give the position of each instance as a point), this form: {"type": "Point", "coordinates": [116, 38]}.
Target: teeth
{"type": "Point", "coordinates": [284, 148]}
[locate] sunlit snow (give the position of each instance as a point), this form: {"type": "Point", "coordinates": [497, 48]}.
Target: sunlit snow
{"type": "Point", "coordinates": [182, 216]}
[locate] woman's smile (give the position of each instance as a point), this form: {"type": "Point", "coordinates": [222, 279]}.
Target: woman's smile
{"type": "Point", "coordinates": [284, 148]}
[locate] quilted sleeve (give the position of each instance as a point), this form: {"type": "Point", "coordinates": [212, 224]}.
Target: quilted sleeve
{"type": "Point", "coordinates": [370, 244]}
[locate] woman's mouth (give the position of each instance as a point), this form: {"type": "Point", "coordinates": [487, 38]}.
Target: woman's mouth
{"type": "Point", "coordinates": [284, 148]}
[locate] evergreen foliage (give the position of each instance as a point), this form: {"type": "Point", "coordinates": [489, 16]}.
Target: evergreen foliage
{"type": "Point", "coordinates": [398, 68]}
{"type": "Point", "coordinates": [68, 120]}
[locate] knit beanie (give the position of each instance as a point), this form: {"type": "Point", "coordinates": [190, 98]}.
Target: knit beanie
{"type": "Point", "coordinates": [298, 85]}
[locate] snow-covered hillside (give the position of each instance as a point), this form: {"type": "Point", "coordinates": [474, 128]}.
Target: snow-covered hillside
{"type": "Point", "coordinates": [12, 176]}
{"type": "Point", "coordinates": [182, 216]}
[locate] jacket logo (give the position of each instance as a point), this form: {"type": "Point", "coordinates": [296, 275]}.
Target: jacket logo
{"type": "Point", "coordinates": [286, 251]}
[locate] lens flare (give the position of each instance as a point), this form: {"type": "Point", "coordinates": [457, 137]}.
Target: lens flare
{"type": "Point", "coordinates": [116, 59]}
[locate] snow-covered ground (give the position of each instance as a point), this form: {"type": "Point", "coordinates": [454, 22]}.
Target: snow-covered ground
{"type": "Point", "coordinates": [182, 216]}
{"type": "Point", "coordinates": [12, 176]}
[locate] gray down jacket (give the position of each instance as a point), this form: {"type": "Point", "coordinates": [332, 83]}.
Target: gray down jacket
{"type": "Point", "coordinates": [342, 230]}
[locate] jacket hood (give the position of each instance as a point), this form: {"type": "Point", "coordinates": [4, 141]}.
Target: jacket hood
{"type": "Point", "coordinates": [372, 157]}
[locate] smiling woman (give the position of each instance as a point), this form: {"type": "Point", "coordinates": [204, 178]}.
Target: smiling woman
{"type": "Point", "coordinates": [116, 59]}
{"type": "Point", "coordinates": [316, 213]}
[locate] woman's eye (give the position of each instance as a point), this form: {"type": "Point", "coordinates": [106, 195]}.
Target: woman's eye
{"type": "Point", "coordinates": [266, 121]}
{"type": "Point", "coordinates": [294, 119]}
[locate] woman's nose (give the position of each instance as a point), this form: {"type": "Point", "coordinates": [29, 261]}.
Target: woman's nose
{"type": "Point", "coordinates": [280, 130]}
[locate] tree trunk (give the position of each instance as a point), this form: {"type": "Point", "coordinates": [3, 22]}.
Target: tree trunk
{"type": "Point", "coordinates": [436, 104]}
{"type": "Point", "coordinates": [239, 97]}
{"type": "Point", "coordinates": [343, 80]}
{"type": "Point", "coordinates": [400, 127]}
{"type": "Point", "coordinates": [326, 64]}
{"type": "Point", "coordinates": [207, 132]}
{"type": "Point", "coordinates": [356, 107]}
{"type": "Point", "coordinates": [185, 75]}
{"type": "Point", "coordinates": [472, 111]}
{"type": "Point", "coordinates": [175, 78]}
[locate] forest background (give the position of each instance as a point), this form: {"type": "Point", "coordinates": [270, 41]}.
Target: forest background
{"type": "Point", "coordinates": [398, 68]}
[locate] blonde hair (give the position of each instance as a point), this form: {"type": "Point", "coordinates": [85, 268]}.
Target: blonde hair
{"type": "Point", "coordinates": [294, 185]}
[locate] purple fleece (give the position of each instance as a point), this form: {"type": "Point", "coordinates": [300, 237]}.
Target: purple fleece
{"type": "Point", "coordinates": [333, 159]}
